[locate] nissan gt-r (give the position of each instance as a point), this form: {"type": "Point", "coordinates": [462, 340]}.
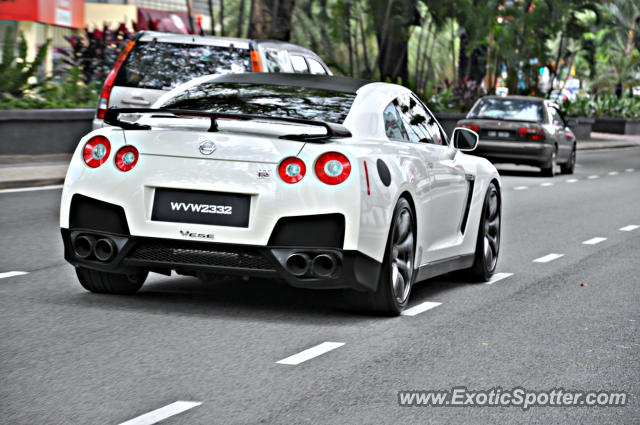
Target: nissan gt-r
{"type": "Point", "coordinates": [323, 182]}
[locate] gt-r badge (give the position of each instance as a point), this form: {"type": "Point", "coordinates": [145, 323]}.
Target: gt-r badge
{"type": "Point", "coordinates": [207, 147]}
{"type": "Point", "coordinates": [263, 174]}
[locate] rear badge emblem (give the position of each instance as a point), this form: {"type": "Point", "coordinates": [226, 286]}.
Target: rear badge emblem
{"type": "Point", "coordinates": [264, 174]}
{"type": "Point", "coordinates": [207, 147]}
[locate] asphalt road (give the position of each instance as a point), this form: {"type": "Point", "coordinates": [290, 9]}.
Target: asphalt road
{"type": "Point", "coordinates": [71, 357]}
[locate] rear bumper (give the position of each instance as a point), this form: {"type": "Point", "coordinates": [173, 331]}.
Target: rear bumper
{"type": "Point", "coordinates": [515, 152]}
{"type": "Point", "coordinates": [354, 270]}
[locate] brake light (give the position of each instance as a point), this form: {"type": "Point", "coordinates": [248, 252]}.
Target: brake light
{"type": "Point", "coordinates": [256, 62]}
{"type": "Point", "coordinates": [292, 170]}
{"type": "Point", "coordinates": [471, 127]}
{"type": "Point", "coordinates": [127, 158]}
{"type": "Point", "coordinates": [332, 168]}
{"type": "Point", "coordinates": [532, 133]}
{"type": "Point", "coordinates": [96, 151]}
{"type": "Point", "coordinates": [103, 100]}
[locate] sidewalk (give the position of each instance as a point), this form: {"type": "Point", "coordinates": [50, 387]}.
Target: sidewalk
{"type": "Point", "coordinates": [42, 170]}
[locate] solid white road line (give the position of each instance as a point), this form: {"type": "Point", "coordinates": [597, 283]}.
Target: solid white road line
{"type": "Point", "coordinates": [546, 184]}
{"type": "Point", "coordinates": [420, 308]}
{"type": "Point", "coordinates": [11, 274]}
{"type": "Point", "coordinates": [31, 189]}
{"type": "Point", "coordinates": [613, 173]}
{"type": "Point", "coordinates": [520, 188]}
{"type": "Point", "coordinates": [310, 353]}
{"type": "Point", "coordinates": [547, 258]}
{"type": "Point", "coordinates": [498, 276]}
{"type": "Point", "coordinates": [572, 180]}
{"type": "Point", "coordinates": [594, 241]}
{"type": "Point", "coordinates": [162, 413]}
{"type": "Point", "coordinates": [629, 228]}
{"type": "Point", "coordinates": [595, 176]}
{"type": "Point", "coordinates": [630, 170]}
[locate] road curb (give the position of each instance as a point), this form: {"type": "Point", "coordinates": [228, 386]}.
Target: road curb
{"type": "Point", "coordinates": [15, 184]}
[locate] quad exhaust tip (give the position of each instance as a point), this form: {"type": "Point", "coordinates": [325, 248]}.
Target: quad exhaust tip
{"type": "Point", "coordinates": [298, 264]}
{"type": "Point", "coordinates": [324, 265]}
{"type": "Point", "coordinates": [83, 246]}
{"type": "Point", "coordinates": [104, 249]}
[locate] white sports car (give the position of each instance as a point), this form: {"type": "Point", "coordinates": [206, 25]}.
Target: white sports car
{"type": "Point", "coordinates": [324, 182]}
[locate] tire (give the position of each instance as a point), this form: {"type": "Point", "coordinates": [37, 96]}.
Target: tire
{"type": "Point", "coordinates": [570, 165]}
{"type": "Point", "coordinates": [488, 243]}
{"type": "Point", "coordinates": [110, 283]}
{"type": "Point", "coordinates": [553, 162]}
{"type": "Point", "coordinates": [394, 283]}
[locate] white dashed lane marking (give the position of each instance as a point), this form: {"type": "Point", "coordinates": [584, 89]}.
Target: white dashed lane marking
{"type": "Point", "coordinates": [546, 184]}
{"type": "Point", "coordinates": [572, 180]}
{"type": "Point", "coordinates": [498, 276]}
{"type": "Point", "coordinates": [547, 258]}
{"type": "Point", "coordinates": [630, 170]}
{"type": "Point", "coordinates": [613, 173]}
{"type": "Point", "coordinates": [162, 413]}
{"type": "Point", "coordinates": [629, 228]}
{"type": "Point", "coordinates": [420, 308]}
{"type": "Point", "coordinates": [31, 189]}
{"type": "Point", "coordinates": [595, 176]}
{"type": "Point", "coordinates": [310, 353]}
{"type": "Point", "coordinates": [594, 241]}
{"type": "Point", "coordinates": [11, 274]}
{"type": "Point", "coordinates": [520, 188]}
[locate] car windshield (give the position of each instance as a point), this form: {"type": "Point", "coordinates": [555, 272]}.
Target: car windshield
{"type": "Point", "coordinates": [162, 66]}
{"type": "Point", "coordinates": [507, 109]}
{"type": "Point", "coordinates": [267, 100]}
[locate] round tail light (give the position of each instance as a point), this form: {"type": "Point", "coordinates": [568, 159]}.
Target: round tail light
{"type": "Point", "coordinates": [127, 158]}
{"type": "Point", "coordinates": [96, 151]}
{"type": "Point", "coordinates": [332, 168]}
{"type": "Point", "coordinates": [292, 170]}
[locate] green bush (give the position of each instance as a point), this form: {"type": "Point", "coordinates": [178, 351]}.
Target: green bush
{"type": "Point", "coordinates": [16, 71]}
{"type": "Point", "coordinates": [604, 105]}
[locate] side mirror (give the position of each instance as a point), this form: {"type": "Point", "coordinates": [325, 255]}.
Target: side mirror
{"type": "Point", "coordinates": [464, 139]}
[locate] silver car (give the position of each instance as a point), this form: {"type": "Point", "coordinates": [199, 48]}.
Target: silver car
{"type": "Point", "coordinates": [155, 62]}
{"type": "Point", "coordinates": [523, 130]}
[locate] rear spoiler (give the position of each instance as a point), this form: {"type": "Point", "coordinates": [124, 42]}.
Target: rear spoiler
{"type": "Point", "coordinates": [333, 130]}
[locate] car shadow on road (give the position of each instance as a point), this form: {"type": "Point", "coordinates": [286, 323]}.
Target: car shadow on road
{"type": "Point", "coordinates": [520, 173]}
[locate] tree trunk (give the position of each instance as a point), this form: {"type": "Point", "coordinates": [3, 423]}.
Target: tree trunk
{"type": "Point", "coordinates": [453, 52]}
{"type": "Point", "coordinates": [213, 18]}
{"type": "Point", "coordinates": [271, 19]}
{"type": "Point", "coordinates": [222, 18]}
{"type": "Point", "coordinates": [363, 36]}
{"type": "Point", "coordinates": [347, 23]}
{"type": "Point", "coordinates": [192, 29]}
{"type": "Point", "coordinates": [240, 18]}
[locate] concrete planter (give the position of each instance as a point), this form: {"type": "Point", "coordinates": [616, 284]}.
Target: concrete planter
{"type": "Point", "coordinates": [448, 120]}
{"type": "Point", "coordinates": [582, 127]}
{"type": "Point", "coordinates": [43, 131]}
{"type": "Point", "coordinates": [617, 125]}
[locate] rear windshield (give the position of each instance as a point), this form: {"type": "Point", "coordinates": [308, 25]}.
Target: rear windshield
{"type": "Point", "coordinates": [507, 109]}
{"type": "Point", "coordinates": [267, 100]}
{"type": "Point", "coordinates": [162, 66]}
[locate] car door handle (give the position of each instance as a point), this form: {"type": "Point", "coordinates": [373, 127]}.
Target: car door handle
{"type": "Point", "coordinates": [137, 102]}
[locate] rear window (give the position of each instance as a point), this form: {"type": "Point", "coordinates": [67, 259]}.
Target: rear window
{"type": "Point", "coordinates": [267, 100]}
{"type": "Point", "coordinates": [507, 109]}
{"type": "Point", "coordinates": [162, 66]}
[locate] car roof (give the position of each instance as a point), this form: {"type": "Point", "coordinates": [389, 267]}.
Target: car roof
{"type": "Point", "coordinates": [323, 82]}
{"type": "Point", "coordinates": [516, 97]}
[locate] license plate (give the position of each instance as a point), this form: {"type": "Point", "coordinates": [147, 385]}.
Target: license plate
{"type": "Point", "coordinates": [503, 134]}
{"type": "Point", "coordinates": [190, 206]}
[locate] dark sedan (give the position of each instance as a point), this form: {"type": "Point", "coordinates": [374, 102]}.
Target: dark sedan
{"type": "Point", "coordinates": [523, 130]}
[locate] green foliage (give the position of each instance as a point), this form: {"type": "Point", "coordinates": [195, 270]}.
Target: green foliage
{"type": "Point", "coordinates": [580, 107]}
{"type": "Point", "coordinates": [70, 92]}
{"type": "Point", "coordinates": [606, 105]}
{"type": "Point", "coordinates": [16, 70]}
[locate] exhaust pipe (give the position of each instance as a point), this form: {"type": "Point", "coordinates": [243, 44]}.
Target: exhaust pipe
{"type": "Point", "coordinates": [324, 265]}
{"type": "Point", "coordinates": [104, 249]}
{"type": "Point", "coordinates": [83, 246]}
{"type": "Point", "coordinates": [298, 264]}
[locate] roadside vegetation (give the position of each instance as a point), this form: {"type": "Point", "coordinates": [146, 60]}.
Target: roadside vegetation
{"type": "Point", "coordinates": [449, 52]}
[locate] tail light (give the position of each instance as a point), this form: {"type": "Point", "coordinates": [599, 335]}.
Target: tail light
{"type": "Point", "coordinates": [332, 168]}
{"type": "Point", "coordinates": [127, 158]}
{"type": "Point", "coordinates": [96, 151]}
{"type": "Point", "coordinates": [471, 127]}
{"type": "Point", "coordinates": [256, 62]}
{"type": "Point", "coordinates": [532, 133]}
{"type": "Point", "coordinates": [292, 170]}
{"type": "Point", "coordinates": [103, 100]}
